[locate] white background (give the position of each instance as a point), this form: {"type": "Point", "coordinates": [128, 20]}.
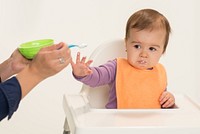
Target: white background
{"type": "Point", "coordinates": [92, 22]}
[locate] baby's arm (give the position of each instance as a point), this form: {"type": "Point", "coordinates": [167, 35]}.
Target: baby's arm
{"type": "Point", "coordinates": [167, 100]}
{"type": "Point", "coordinates": [81, 67]}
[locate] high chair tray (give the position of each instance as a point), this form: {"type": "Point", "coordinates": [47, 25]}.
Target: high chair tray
{"type": "Point", "coordinates": [83, 119]}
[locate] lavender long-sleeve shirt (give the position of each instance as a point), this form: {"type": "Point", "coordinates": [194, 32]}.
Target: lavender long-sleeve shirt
{"type": "Point", "coordinates": [104, 74]}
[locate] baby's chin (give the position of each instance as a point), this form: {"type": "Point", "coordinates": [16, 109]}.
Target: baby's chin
{"type": "Point", "coordinates": [143, 67]}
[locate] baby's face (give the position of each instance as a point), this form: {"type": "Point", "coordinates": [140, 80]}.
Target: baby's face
{"type": "Point", "coordinates": [145, 47]}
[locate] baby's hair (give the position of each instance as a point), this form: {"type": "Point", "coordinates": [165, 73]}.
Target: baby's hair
{"type": "Point", "coordinates": [148, 19]}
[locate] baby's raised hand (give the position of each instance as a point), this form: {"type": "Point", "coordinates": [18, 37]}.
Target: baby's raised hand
{"type": "Point", "coordinates": [81, 67]}
{"type": "Point", "coordinates": [167, 100]}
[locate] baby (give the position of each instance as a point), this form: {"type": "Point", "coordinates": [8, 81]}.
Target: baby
{"type": "Point", "coordinates": [139, 81]}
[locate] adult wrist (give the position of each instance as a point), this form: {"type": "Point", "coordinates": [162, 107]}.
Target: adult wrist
{"type": "Point", "coordinates": [6, 70]}
{"type": "Point", "coordinates": [28, 79]}
{"type": "Point", "coordinates": [36, 73]}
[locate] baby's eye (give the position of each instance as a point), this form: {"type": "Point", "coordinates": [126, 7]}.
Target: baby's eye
{"type": "Point", "coordinates": [137, 46]}
{"type": "Point", "coordinates": [152, 49]}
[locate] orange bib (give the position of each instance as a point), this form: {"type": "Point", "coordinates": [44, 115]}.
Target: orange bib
{"type": "Point", "coordinates": [139, 88]}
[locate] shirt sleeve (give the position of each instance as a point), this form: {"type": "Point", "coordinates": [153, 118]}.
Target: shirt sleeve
{"type": "Point", "coordinates": [104, 74]}
{"type": "Point", "coordinates": [10, 96]}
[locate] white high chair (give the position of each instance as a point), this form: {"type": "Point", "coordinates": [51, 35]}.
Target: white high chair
{"type": "Point", "coordinates": [86, 113]}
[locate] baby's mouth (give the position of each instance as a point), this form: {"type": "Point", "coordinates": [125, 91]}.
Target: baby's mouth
{"type": "Point", "coordinates": [142, 62]}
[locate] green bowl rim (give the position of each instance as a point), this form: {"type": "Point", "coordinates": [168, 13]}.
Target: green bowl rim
{"type": "Point", "coordinates": [49, 40]}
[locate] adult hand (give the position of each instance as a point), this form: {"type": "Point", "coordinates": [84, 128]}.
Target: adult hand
{"type": "Point", "coordinates": [13, 65]}
{"type": "Point", "coordinates": [18, 62]}
{"type": "Point", "coordinates": [49, 61]}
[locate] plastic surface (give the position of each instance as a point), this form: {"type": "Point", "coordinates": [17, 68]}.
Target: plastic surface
{"type": "Point", "coordinates": [84, 119]}
{"type": "Point", "coordinates": [30, 49]}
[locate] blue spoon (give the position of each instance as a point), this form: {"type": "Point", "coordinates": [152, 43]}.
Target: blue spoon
{"type": "Point", "coordinates": [79, 46]}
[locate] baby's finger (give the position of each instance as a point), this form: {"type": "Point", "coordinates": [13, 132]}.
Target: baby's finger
{"type": "Point", "coordinates": [72, 63]}
{"type": "Point", "coordinates": [168, 103]}
{"type": "Point", "coordinates": [83, 59]}
{"type": "Point", "coordinates": [164, 99]}
{"type": "Point", "coordinates": [78, 57]}
{"type": "Point", "coordinates": [89, 62]}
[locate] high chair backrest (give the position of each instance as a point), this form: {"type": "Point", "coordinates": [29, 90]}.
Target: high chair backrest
{"type": "Point", "coordinates": [98, 96]}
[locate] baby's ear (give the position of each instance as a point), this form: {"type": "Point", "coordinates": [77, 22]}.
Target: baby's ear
{"type": "Point", "coordinates": [125, 43]}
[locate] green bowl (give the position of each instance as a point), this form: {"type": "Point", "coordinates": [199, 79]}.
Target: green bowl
{"type": "Point", "coordinates": [30, 49]}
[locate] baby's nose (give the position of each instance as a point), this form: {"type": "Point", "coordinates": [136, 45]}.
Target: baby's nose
{"type": "Point", "coordinates": [143, 54]}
